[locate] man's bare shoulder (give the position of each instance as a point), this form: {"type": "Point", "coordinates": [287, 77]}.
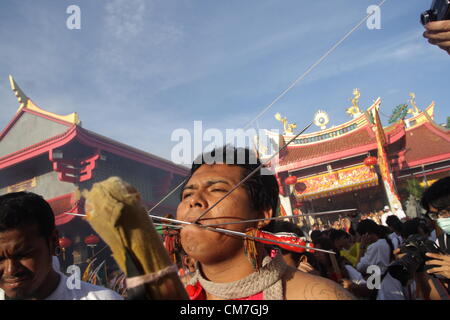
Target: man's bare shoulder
{"type": "Point", "coordinates": [304, 286]}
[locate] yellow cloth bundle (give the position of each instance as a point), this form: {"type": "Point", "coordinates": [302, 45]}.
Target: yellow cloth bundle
{"type": "Point", "coordinates": [115, 211]}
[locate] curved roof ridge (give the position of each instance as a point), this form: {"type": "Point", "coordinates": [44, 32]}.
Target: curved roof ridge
{"type": "Point", "coordinates": [25, 103]}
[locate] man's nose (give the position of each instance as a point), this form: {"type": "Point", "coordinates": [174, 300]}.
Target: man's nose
{"type": "Point", "coordinates": [12, 267]}
{"type": "Point", "coordinates": [198, 201]}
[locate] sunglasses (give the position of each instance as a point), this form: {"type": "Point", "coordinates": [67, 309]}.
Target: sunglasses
{"type": "Point", "coordinates": [444, 213]}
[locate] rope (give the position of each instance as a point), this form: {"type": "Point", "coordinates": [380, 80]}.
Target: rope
{"type": "Point", "coordinates": [269, 280]}
{"type": "Point", "coordinates": [293, 84]}
{"type": "Point", "coordinates": [313, 66]}
{"type": "Point", "coordinates": [150, 277]}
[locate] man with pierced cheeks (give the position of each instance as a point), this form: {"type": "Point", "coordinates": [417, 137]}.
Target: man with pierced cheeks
{"type": "Point", "coordinates": [223, 264]}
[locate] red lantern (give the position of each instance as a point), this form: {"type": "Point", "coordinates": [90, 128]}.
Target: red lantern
{"type": "Point", "coordinates": [65, 242]}
{"type": "Point", "coordinates": [290, 180]}
{"type": "Point", "coordinates": [300, 187]}
{"type": "Point", "coordinates": [370, 161]}
{"type": "Point", "coordinates": [296, 212]}
{"type": "Point", "coordinates": [298, 204]}
{"type": "Point", "coordinates": [91, 240]}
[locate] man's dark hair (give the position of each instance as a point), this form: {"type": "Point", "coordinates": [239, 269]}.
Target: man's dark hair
{"type": "Point", "coordinates": [368, 226]}
{"type": "Point", "coordinates": [437, 195]}
{"type": "Point", "coordinates": [287, 227]}
{"type": "Point", "coordinates": [338, 234]}
{"type": "Point", "coordinates": [315, 234]}
{"type": "Point", "coordinates": [324, 243]}
{"type": "Point", "coordinates": [23, 209]}
{"type": "Point", "coordinates": [371, 227]}
{"type": "Point", "coordinates": [413, 226]}
{"type": "Point", "coordinates": [284, 226]}
{"type": "Point", "coordinates": [261, 189]}
{"type": "Point", "coordinates": [326, 233]}
{"type": "Point", "coordinates": [395, 223]}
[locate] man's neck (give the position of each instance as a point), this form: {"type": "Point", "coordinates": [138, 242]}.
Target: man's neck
{"type": "Point", "coordinates": [48, 287]}
{"type": "Point", "coordinates": [231, 270]}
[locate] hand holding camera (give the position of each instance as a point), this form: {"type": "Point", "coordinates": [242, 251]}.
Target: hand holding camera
{"type": "Point", "coordinates": [440, 264]}
{"type": "Point", "coordinates": [413, 256]}
{"type": "Point", "coordinates": [437, 24]}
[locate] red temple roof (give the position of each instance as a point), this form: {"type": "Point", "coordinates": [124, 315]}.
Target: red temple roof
{"type": "Point", "coordinates": [76, 133]}
{"type": "Point", "coordinates": [425, 143]}
{"type": "Point", "coordinates": [72, 132]}
{"type": "Point", "coordinates": [355, 142]}
{"type": "Point", "coordinates": [63, 204]}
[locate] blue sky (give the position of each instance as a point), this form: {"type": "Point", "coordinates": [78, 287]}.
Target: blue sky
{"type": "Point", "coordinates": [139, 69]}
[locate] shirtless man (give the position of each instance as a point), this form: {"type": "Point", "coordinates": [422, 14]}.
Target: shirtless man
{"type": "Point", "coordinates": [221, 258]}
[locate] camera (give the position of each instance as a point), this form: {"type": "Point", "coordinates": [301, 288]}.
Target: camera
{"type": "Point", "coordinates": [440, 10]}
{"type": "Point", "coordinates": [414, 260]}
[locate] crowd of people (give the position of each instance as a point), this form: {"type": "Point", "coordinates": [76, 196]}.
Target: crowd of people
{"type": "Point", "coordinates": [381, 256]}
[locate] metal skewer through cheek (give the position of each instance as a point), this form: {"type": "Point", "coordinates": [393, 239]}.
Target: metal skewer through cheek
{"type": "Point", "coordinates": [281, 217]}
{"type": "Point", "coordinates": [240, 234]}
{"type": "Point", "coordinates": [225, 231]}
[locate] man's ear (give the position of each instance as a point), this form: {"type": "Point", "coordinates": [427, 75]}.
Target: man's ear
{"type": "Point", "coordinates": [304, 259]}
{"type": "Point", "coordinates": [267, 214]}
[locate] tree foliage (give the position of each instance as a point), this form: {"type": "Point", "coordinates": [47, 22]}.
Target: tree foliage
{"type": "Point", "coordinates": [399, 112]}
{"type": "Point", "coordinates": [414, 188]}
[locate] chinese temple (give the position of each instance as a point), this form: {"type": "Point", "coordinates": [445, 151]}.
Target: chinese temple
{"type": "Point", "coordinates": [359, 164]}
{"type": "Point", "coordinates": [55, 157]}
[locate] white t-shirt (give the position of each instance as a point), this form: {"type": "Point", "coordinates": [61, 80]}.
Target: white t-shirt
{"type": "Point", "coordinates": [354, 275]}
{"type": "Point", "coordinates": [392, 289]}
{"type": "Point", "coordinates": [396, 240]}
{"type": "Point", "coordinates": [378, 253]}
{"type": "Point", "coordinates": [86, 291]}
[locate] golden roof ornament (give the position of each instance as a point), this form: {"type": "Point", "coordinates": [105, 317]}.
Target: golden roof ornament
{"type": "Point", "coordinates": [354, 111]}
{"type": "Point", "coordinates": [25, 102]}
{"type": "Point", "coordinates": [412, 102]}
{"type": "Point", "coordinates": [288, 128]}
{"type": "Point", "coordinates": [21, 97]}
{"type": "Point", "coordinates": [260, 148]}
{"type": "Point", "coordinates": [321, 119]}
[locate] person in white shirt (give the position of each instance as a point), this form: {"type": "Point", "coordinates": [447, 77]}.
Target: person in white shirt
{"type": "Point", "coordinates": [375, 249]}
{"type": "Point", "coordinates": [28, 242]}
{"type": "Point", "coordinates": [396, 227]}
{"type": "Point", "coordinates": [387, 213]}
{"type": "Point", "coordinates": [392, 289]}
{"type": "Point", "coordinates": [69, 289]}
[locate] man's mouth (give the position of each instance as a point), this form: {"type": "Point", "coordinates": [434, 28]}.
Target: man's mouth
{"type": "Point", "coordinates": [14, 283]}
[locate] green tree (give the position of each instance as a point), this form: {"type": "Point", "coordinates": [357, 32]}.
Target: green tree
{"type": "Point", "coordinates": [399, 112]}
{"type": "Point", "coordinates": [414, 188]}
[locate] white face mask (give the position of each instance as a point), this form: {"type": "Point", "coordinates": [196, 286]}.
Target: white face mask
{"type": "Point", "coordinates": [444, 224]}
